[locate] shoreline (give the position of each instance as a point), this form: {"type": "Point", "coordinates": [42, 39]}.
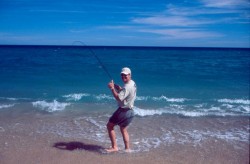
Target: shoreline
{"type": "Point", "coordinates": [22, 142]}
{"type": "Point", "coordinates": [70, 151]}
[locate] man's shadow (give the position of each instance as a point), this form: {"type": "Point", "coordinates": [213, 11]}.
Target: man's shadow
{"type": "Point", "coordinates": [70, 146]}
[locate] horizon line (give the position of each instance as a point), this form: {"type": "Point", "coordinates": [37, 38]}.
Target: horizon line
{"type": "Point", "coordinates": [66, 45]}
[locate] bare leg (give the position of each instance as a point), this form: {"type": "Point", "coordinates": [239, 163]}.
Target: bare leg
{"type": "Point", "coordinates": [125, 136]}
{"type": "Point", "coordinates": [112, 136]}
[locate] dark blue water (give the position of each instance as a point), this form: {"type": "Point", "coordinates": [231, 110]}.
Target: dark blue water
{"type": "Point", "coordinates": [182, 81]}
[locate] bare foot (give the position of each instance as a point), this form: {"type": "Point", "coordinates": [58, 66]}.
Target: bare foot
{"type": "Point", "coordinates": [128, 150]}
{"type": "Point", "coordinates": [112, 150]}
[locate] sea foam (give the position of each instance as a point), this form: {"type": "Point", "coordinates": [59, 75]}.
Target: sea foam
{"type": "Point", "coordinates": [50, 106]}
{"type": "Point", "coordinates": [93, 128]}
{"type": "Point", "coordinates": [75, 96]}
{"type": "Point", "coordinates": [6, 106]}
{"type": "Point", "coordinates": [201, 112]}
{"type": "Point", "coordinates": [103, 97]}
{"type": "Point", "coordinates": [144, 112]}
{"type": "Point", "coordinates": [169, 99]}
{"type": "Point", "coordinates": [235, 101]}
{"type": "Point", "coordinates": [160, 98]}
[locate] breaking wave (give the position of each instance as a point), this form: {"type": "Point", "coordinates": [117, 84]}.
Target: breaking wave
{"type": "Point", "coordinates": [182, 110]}
{"type": "Point", "coordinates": [50, 106]}
{"type": "Point", "coordinates": [235, 101]}
{"type": "Point", "coordinates": [144, 105]}
{"type": "Point", "coordinates": [75, 96]}
{"type": "Point", "coordinates": [6, 106]}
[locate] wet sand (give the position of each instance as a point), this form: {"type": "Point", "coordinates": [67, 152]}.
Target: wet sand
{"type": "Point", "coordinates": [20, 142]}
{"type": "Point", "coordinates": [29, 150]}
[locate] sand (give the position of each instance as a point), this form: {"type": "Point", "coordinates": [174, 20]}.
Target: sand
{"type": "Point", "coordinates": [58, 150]}
{"type": "Point", "coordinates": [21, 143]}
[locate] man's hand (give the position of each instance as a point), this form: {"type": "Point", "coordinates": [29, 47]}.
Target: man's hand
{"type": "Point", "coordinates": [111, 85]}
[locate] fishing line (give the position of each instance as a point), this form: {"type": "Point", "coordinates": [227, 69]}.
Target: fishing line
{"type": "Point", "coordinates": [97, 58]}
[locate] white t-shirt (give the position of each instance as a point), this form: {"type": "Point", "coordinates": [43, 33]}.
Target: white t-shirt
{"type": "Point", "coordinates": [127, 95]}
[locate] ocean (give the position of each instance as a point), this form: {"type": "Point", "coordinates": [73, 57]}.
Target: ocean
{"type": "Point", "coordinates": [184, 95]}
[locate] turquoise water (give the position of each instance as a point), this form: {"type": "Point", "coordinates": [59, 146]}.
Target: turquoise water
{"type": "Point", "coordinates": [182, 81]}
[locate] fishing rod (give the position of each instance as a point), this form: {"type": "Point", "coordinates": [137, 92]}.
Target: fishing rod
{"type": "Point", "coordinates": [97, 58]}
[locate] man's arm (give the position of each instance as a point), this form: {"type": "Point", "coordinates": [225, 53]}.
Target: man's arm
{"type": "Point", "coordinates": [115, 94]}
{"type": "Point", "coordinates": [112, 87]}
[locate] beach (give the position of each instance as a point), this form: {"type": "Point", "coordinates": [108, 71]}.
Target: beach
{"type": "Point", "coordinates": [162, 140]}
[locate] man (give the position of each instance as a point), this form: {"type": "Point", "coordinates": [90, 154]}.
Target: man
{"type": "Point", "coordinates": [123, 116]}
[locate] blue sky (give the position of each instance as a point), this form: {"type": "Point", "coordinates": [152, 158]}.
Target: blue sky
{"type": "Point", "coordinates": [185, 23]}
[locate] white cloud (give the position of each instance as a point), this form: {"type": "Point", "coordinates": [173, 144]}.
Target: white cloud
{"type": "Point", "coordinates": [182, 33]}
{"type": "Point", "coordinates": [197, 10]}
{"type": "Point", "coordinates": [198, 15]}
{"type": "Point", "coordinates": [180, 21]}
{"type": "Point", "coordinates": [226, 3]}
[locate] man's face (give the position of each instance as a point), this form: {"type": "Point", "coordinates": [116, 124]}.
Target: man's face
{"type": "Point", "coordinates": [125, 78]}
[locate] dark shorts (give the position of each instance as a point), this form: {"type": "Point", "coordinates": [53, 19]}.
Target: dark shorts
{"type": "Point", "coordinates": [122, 117]}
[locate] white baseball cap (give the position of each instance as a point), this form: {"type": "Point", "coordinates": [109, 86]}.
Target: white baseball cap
{"type": "Point", "coordinates": [126, 71]}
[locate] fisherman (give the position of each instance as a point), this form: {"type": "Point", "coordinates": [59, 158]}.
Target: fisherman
{"type": "Point", "coordinates": [125, 97]}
